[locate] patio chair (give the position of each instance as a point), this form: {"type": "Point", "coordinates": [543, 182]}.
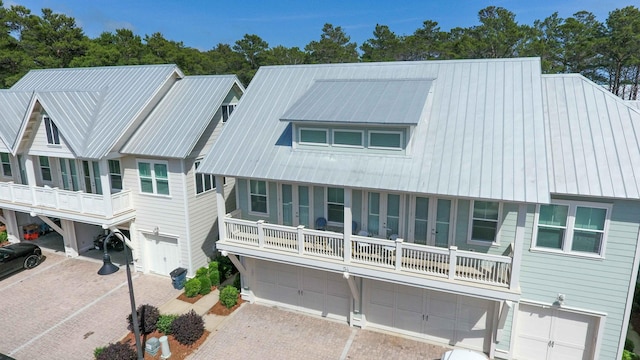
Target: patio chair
{"type": "Point", "coordinates": [321, 223]}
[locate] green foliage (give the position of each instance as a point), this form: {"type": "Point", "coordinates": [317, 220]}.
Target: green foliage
{"type": "Point", "coordinates": [237, 282]}
{"type": "Point", "coordinates": [628, 355]}
{"type": "Point", "coordinates": [97, 351]}
{"type": "Point", "coordinates": [226, 267]}
{"type": "Point", "coordinates": [3, 236]}
{"type": "Point", "coordinates": [229, 296]}
{"type": "Point", "coordinates": [147, 318]}
{"type": "Point", "coordinates": [188, 328]}
{"type": "Point", "coordinates": [203, 271]}
{"type": "Point", "coordinates": [164, 323]}
{"type": "Point", "coordinates": [629, 345]}
{"type": "Point", "coordinates": [205, 285]}
{"type": "Point", "coordinates": [117, 351]}
{"type": "Point", "coordinates": [192, 287]}
{"type": "Point", "coordinates": [214, 273]}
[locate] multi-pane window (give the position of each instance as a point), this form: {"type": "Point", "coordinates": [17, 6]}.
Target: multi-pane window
{"type": "Point", "coordinates": [154, 177]}
{"type": "Point", "coordinates": [314, 136]}
{"type": "Point", "coordinates": [115, 175]}
{"type": "Point", "coordinates": [258, 197]}
{"type": "Point", "coordinates": [53, 137]}
{"type": "Point", "coordinates": [204, 182]}
{"type": "Point", "coordinates": [572, 227]}
{"type": "Point", "coordinates": [227, 109]}
{"type": "Point", "coordinates": [335, 205]}
{"type": "Point", "coordinates": [6, 164]}
{"type": "Point", "coordinates": [484, 222]}
{"type": "Point", "coordinates": [45, 168]}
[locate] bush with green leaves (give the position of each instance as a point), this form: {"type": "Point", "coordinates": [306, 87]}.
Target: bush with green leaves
{"type": "Point", "coordinates": [147, 318]}
{"type": "Point", "coordinates": [226, 267]}
{"type": "Point", "coordinates": [214, 273]}
{"type": "Point", "coordinates": [192, 287]}
{"type": "Point", "coordinates": [629, 345]}
{"type": "Point", "coordinates": [205, 285]}
{"type": "Point", "coordinates": [229, 296]}
{"type": "Point", "coordinates": [188, 328]}
{"type": "Point", "coordinates": [237, 282]}
{"type": "Point", "coordinates": [203, 271]}
{"type": "Point", "coordinates": [164, 323]}
{"type": "Point", "coordinates": [117, 351]}
{"type": "Point", "coordinates": [628, 355]}
{"type": "Point", "coordinates": [97, 351]}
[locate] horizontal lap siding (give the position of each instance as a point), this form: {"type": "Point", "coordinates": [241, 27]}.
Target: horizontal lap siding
{"type": "Point", "coordinates": [591, 284]}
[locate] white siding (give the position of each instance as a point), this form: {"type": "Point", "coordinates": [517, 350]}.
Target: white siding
{"type": "Point", "coordinates": [39, 146]}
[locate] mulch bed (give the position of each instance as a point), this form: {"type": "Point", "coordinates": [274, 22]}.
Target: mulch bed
{"type": "Point", "coordinates": [178, 351]}
{"type": "Point", "coordinates": [219, 309]}
{"type": "Point", "coordinates": [192, 300]}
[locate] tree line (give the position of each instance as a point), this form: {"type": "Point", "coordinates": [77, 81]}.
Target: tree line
{"type": "Point", "coordinates": [606, 52]}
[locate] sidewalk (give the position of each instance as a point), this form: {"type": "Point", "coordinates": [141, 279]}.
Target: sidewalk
{"type": "Point", "coordinates": [201, 307]}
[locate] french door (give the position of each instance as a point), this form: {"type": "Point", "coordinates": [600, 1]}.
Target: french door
{"type": "Point", "coordinates": [383, 213]}
{"type": "Point", "coordinates": [91, 174]}
{"type": "Point", "coordinates": [296, 205]}
{"type": "Point", "coordinates": [431, 221]}
{"type": "Point", "coordinates": [69, 174]}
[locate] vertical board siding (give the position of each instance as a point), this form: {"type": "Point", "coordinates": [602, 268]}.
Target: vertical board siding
{"type": "Point", "coordinates": [599, 285]}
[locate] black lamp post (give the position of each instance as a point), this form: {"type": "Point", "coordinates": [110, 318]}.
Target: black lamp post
{"type": "Point", "coordinates": [107, 269]}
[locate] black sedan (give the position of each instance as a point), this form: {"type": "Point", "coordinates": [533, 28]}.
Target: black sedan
{"type": "Point", "coordinates": [19, 256]}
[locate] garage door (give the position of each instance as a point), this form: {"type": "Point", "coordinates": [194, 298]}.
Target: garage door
{"type": "Point", "coordinates": [312, 291]}
{"type": "Point", "coordinates": [163, 254]}
{"type": "Point", "coordinates": [549, 333]}
{"type": "Point", "coordinates": [448, 318]}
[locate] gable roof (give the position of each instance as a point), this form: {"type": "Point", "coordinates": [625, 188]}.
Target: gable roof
{"type": "Point", "coordinates": [593, 139]}
{"type": "Point", "coordinates": [14, 106]}
{"type": "Point", "coordinates": [179, 120]}
{"type": "Point", "coordinates": [482, 137]}
{"type": "Point", "coordinates": [93, 107]}
{"type": "Point", "coordinates": [372, 101]}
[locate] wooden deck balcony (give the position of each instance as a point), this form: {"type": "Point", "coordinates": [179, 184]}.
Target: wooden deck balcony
{"type": "Point", "coordinates": [76, 204]}
{"type": "Point", "coordinates": [398, 257]}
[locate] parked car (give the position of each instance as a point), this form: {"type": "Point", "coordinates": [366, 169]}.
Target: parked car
{"type": "Point", "coordinates": [463, 354]}
{"type": "Point", "coordinates": [114, 243]}
{"type": "Point", "coordinates": [19, 256]}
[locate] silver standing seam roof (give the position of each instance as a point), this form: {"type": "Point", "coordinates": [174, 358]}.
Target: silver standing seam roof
{"type": "Point", "coordinates": [179, 120]}
{"type": "Point", "coordinates": [14, 106]}
{"type": "Point", "coordinates": [93, 107]}
{"type": "Point", "coordinates": [481, 134]}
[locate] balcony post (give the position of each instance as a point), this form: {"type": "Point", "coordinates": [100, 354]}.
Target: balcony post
{"type": "Point", "coordinates": [221, 210]}
{"type": "Point", "coordinates": [348, 219]}
{"type": "Point", "coordinates": [399, 254]}
{"type": "Point", "coordinates": [31, 177]}
{"type": "Point", "coordinates": [260, 233]}
{"type": "Point", "coordinates": [453, 260]}
{"type": "Point", "coordinates": [514, 281]}
{"type": "Point", "coordinates": [300, 239]}
{"type": "Point", "coordinates": [106, 187]}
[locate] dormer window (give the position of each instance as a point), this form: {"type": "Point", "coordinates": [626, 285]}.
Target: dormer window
{"type": "Point", "coordinates": [385, 139]}
{"type": "Point", "coordinates": [314, 136]}
{"type": "Point", "coordinates": [53, 137]}
{"type": "Point", "coordinates": [227, 109]}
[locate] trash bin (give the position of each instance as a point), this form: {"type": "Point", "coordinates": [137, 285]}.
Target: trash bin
{"type": "Point", "coordinates": [178, 278]}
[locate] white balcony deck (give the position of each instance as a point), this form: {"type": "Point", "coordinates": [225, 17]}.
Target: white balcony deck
{"type": "Point", "coordinates": [48, 199]}
{"type": "Point", "coordinates": [448, 264]}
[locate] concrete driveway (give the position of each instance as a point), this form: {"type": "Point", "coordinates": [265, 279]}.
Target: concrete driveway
{"type": "Point", "coordinates": [63, 309]}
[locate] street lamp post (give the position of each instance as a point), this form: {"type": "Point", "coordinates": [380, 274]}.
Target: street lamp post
{"type": "Point", "coordinates": [107, 269]}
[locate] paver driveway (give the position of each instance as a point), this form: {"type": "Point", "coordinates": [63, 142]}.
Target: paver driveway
{"type": "Point", "coordinates": [63, 309]}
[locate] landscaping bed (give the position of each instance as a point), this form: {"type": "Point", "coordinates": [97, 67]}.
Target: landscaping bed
{"type": "Point", "coordinates": [178, 351]}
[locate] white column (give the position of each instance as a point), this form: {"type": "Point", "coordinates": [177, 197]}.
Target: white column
{"type": "Point", "coordinates": [31, 177]}
{"type": "Point", "coordinates": [221, 208]}
{"type": "Point", "coordinates": [69, 238]}
{"type": "Point", "coordinates": [518, 246]}
{"type": "Point", "coordinates": [13, 230]}
{"type": "Point", "coordinates": [348, 218]}
{"type": "Point", "coordinates": [105, 180]}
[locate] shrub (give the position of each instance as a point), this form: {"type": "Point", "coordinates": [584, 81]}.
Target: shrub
{"type": "Point", "coordinates": [629, 345]}
{"type": "Point", "coordinates": [214, 273]}
{"type": "Point", "coordinates": [164, 323]}
{"type": "Point", "coordinates": [97, 351]}
{"type": "Point", "coordinates": [628, 355]}
{"type": "Point", "coordinates": [237, 282]}
{"type": "Point", "coordinates": [118, 351]}
{"type": "Point", "coordinates": [203, 271]}
{"type": "Point", "coordinates": [226, 267]}
{"type": "Point", "coordinates": [188, 328]}
{"type": "Point", "coordinates": [147, 318]}
{"type": "Point", "coordinates": [229, 296]}
{"type": "Point", "coordinates": [192, 287]}
{"type": "Point", "coordinates": [205, 285]}
{"type": "Point", "coordinates": [3, 236]}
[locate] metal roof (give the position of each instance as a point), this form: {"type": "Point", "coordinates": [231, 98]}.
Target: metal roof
{"type": "Point", "coordinates": [593, 139]}
{"type": "Point", "coordinates": [124, 91]}
{"type": "Point", "coordinates": [370, 101]}
{"type": "Point", "coordinates": [482, 136]}
{"type": "Point", "coordinates": [179, 120]}
{"type": "Point", "coordinates": [14, 106]}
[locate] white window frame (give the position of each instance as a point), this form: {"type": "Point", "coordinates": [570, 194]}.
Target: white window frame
{"type": "Point", "coordinates": [326, 206]}
{"type": "Point", "coordinates": [113, 175]}
{"type": "Point", "coordinates": [333, 137]}
{"type": "Point", "coordinates": [51, 131]}
{"type": "Point", "coordinates": [203, 177]}
{"type": "Point", "coordinates": [496, 241]}
{"type": "Point", "coordinates": [385, 132]}
{"type": "Point", "coordinates": [226, 111]}
{"type": "Point", "coordinates": [266, 195]}
{"type": "Point", "coordinates": [6, 163]}
{"type": "Point", "coordinates": [570, 227]}
{"type": "Point", "coordinates": [40, 166]}
{"type": "Point", "coordinates": [153, 178]}
{"type": "Point", "coordinates": [326, 133]}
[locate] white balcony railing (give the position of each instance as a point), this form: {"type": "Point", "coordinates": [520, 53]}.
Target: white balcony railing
{"type": "Point", "coordinates": [64, 200]}
{"type": "Point", "coordinates": [448, 263]}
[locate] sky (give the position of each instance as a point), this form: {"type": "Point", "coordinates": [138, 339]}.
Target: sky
{"type": "Point", "coordinates": [203, 24]}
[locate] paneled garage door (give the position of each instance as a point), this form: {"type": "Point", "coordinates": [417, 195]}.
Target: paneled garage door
{"type": "Point", "coordinates": [448, 318]}
{"type": "Point", "coordinates": [312, 291]}
{"type": "Point", "coordinates": [549, 333]}
{"type": "Point", "coordinates": [163, 254]}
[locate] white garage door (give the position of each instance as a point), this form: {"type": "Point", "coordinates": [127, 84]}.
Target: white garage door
{"type": "Point", "coordinates": [453, 319]}
{"type": "Point", "coordinates": [163, 254]}
{"type": "Point", "coordinates": [554, 334]}
{"type": "Point", "coordinates": [312, 291]}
